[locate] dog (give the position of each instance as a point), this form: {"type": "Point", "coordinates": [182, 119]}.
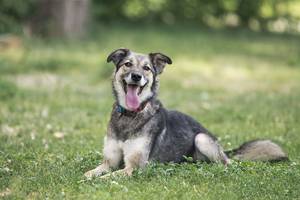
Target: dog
{"type": "Point", "coordinates": [141, 130]}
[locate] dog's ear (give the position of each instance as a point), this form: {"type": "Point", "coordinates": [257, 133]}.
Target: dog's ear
{"type": "Point", "coordinates": [159, 61]}
{"type": "Point", "coordinates": [117, 55]}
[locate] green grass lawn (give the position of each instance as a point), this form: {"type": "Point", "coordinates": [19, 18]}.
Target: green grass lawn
{"type": "Point", "coordinates": [55, 102]}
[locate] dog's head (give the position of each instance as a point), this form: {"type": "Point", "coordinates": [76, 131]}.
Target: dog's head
{"type": "Point", "coordinates": [135, 76]}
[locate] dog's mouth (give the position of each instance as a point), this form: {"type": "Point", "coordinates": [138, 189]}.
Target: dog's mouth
{"type": "Point", "coordinates": [132, 92]}
{"type": "Point", "coordinates": [132, 85]}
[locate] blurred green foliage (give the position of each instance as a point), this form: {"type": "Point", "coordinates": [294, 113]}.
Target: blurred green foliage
{"type": "Point", "coordinates": [8, 90]}
{"type": "Point", "coordinates": [14, 13]}
{"type": "Point", "coordinates": [170, 11]}
{"type": "Point", "coordinates": [214, 13]}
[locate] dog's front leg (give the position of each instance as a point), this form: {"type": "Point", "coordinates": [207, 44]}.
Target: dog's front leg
{"type": "Point", "coordinates": [101, 169]}
{"type": "Point", "coordinates": [112, 157]}
{"type": "Point", "coordinates": [132, 162]}
{"type": "Point", "coordinates": [136, 154]}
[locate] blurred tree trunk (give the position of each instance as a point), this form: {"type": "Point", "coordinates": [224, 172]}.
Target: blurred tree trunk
{"type": "Point", "coordinates": [67, 18]}
{"type": "Point", "coordinates": [247, 9]}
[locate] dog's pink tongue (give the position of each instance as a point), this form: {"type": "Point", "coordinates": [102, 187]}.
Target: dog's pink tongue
{"type": "Point", "coordinates": [132, 100]}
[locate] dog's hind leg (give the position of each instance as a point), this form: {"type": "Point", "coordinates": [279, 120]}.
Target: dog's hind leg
{"type": "Point", "coordinates": [207, 148]}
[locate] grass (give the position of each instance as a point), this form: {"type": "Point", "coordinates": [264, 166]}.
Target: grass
{"type": "Point", "coordinates": [55, 101]}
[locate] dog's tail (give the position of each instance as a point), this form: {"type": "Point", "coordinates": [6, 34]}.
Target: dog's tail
{"type": "Point", "coordinates": [258, 150]}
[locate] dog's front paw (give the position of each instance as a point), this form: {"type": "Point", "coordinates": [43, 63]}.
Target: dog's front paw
{"type": "Point", "coordinates": [121, 172]}
{"type": "Point", "coordinates": [98, 171]}
{"type": "Point", "coordinates": [90, 174]}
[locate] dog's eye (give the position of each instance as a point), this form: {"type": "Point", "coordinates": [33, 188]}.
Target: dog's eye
{"type": "Point", "coordinates": [128, 64]}
{"type": "Point", "coordinates": [146, 68]}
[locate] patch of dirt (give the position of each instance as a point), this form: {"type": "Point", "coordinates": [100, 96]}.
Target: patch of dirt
{"type": "Point", "coordinates": [46, 81]}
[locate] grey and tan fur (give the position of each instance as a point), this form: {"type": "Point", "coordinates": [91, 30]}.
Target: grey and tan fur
{"type": "Point", "coordinates": [142, 130]}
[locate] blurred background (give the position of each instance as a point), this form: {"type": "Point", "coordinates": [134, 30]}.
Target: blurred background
{"type": "Point", "coordinates": [74, 18]}
{"type": "Point", "coordinates": [53, 52]}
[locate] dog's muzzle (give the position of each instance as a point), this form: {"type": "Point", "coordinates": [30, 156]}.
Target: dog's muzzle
{"type": "Point", "coordinates": [135, 79]}
{"type": "Point", "coordinates": [133, 85]}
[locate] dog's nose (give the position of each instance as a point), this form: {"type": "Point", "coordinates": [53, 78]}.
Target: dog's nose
{"type": "Point", "coordinates": [136, 77]}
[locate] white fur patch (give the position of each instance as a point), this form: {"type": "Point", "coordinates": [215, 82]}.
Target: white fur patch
{"type": "Point", "coordinates": [147, 92]}
{"type": "Point", "coordinates": [143, 81]}
{"type": "Point", "coordinates": [162, 134]}
{"type": "Point", "coordinates": [115, 150]}
{"type": "Point", "coordinates": [119, 88]}
{"type": "Point", "coordinates": [128, 78]}
{"type": "Point", "coordinates": [210, 148]}
{"type": "Point", "coordinates": [112, 151]}
{"type": "Point", "coordinates": [138, 145]}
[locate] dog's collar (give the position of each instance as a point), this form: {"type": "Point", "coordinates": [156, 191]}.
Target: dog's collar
{"type": "Point", "coordinates": [120, 109]}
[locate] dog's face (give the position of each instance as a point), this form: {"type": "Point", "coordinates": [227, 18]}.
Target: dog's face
{"type": "Point", "coordinates": [135, 75]}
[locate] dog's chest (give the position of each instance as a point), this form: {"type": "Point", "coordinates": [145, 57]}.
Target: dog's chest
{"type": "Point", "coordinates": [125, 127]}
{"type": "Point", "coordinates": [134, 144]}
